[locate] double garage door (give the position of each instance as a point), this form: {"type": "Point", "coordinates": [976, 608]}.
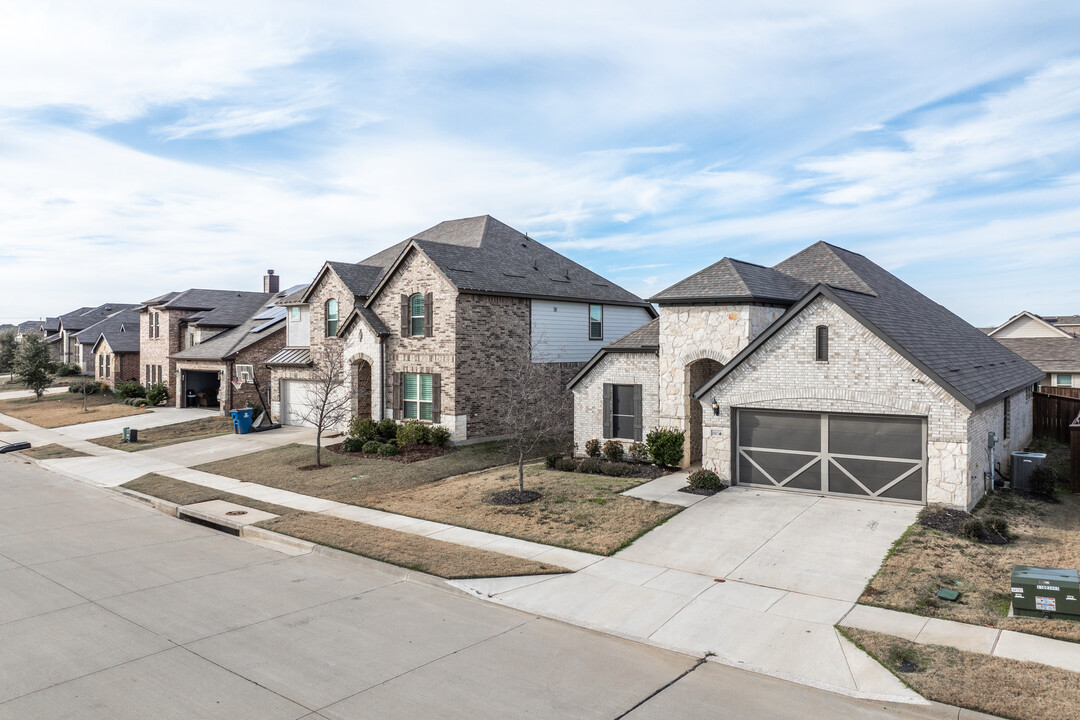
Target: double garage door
{"type": "Point", "coordinates": [866, 456]}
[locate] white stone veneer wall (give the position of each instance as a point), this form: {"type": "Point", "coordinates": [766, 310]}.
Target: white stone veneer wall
{"type": "Point", "coordinates": [863, 375]}
{"type": "Point", "coordinates": [362, 343]}
{"type": "Point", "coordinates": [991, 418]}
{"type": "Point", "coordinates": [619, 369]}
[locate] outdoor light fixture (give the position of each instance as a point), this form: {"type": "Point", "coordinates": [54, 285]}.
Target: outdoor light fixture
{"type": "Point", "coordinates": [715, 407]}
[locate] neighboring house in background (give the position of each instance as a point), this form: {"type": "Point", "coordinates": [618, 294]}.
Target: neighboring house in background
{"type": "Point", "coordinates": [1068, 323]}
{"type": "Point", "coordinates": [30, 327]}
{"type": "Point", "coordinates": [209, 369]}
{"type": "Point", "coordinates": [72, 349]}
{"type": "Point", "coordinates": [426, 326]}
{"type": "Point", "coordinates": [824, 374]}
{"type": "Point", "coordinates": [1049, 346]}
{"type": "Point", "coordinates": [115, 349]}
{"type": "Point", "coordinates": [50, 328]}
{"type": "Point", "coordinates": [175, 321]}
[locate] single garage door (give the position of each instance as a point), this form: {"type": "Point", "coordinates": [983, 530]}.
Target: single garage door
{"type": "Point", "coordinates": [868, 456]}
{"type": "Point", "coordinates": [295, 402]}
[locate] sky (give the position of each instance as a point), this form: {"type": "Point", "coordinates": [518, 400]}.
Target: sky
{"type": "Point", "coordinates": [155, 146]}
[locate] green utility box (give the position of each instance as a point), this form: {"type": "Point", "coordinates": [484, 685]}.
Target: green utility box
{"type": "Point", "coordinates": [1045, 592]}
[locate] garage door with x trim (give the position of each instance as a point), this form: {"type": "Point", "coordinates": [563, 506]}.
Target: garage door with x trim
{"type": "Point", "coordinates": [869, 456]}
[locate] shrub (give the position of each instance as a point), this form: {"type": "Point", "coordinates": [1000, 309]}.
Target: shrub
{"type": "Point", "coordinates": [126, 389]}
{"type": "Point", "coordinates": [552, 460]}
{"type": "Point", "coordinates": [997, 525]}
{"type": "Point", "coordinates": [387, 450]}
{"type": "Point", "coordinates": [371, 447]}
{"type": "Point", "coordinates": [68, 369]}
{"type": "Point", "coordinates": [566, 465]}
{"type": "Point", "coordinates": [91, 386]}
{"type": "Point", "coordinates": [352, 444]}
{"type": "Point", "coordinates": [665, 446]}
{"type": "Point", "coordinates": [639, 452]}
{"type": "Point", "coordinates": [592, 448]}
{"type": "Point", "coordinates": [705, 480]}
{"type": "Point", "coordinates": [439, 435]}
{"type": "Point", "coordinates": [973, 529]}
{"type": "Point", "coordinates": [590, 465]}
{"type": "Point", "coordinates": [363, 429]}
{"type": "Point", "coordinates": [387, 429]}
{"type": "Point", "coordinates": [616, 469]}
{"type": "Point", "coordinates": [1042, 481]}
{"type": "Point", "coordinates": [157, 393]}
{"type": "Point", "coordinates": [614, 451]}
{"type": "Point", "coordinates": [412, 432]}
{"type": "Point", "coordinates": [139, 402]}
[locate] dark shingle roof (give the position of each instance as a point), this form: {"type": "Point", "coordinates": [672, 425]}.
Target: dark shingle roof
{"type": "Point", "coordinates": [265, 321]}
{"type": "Point", "coordinates": [121, 330]}
{"type": "Point", "coordinates": [359, 278]}
{"type": "Point", "coordinates": [972, 366]}
{"type": "Point", "coordinates": [213, 308]}
{"type": "Point", "coordinates": [734, 280]}
{"type": "Point", "coordinates": [78, 321]}
{"type": "Point", "coordinates": [1049, 354]}
{"type": "Point", "coordinates": [646, 339]}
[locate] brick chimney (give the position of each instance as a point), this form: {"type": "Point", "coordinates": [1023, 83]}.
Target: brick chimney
{"type": "Point", "coordinates": [271, 282]}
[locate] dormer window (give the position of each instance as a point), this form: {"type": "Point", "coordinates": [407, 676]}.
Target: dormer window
{"type": "Point", "coordinates": [821, 353]}
{"type": "Point", "coordinates": [331, 317]}
{"type": "Point", "coordinates": [596, 322]}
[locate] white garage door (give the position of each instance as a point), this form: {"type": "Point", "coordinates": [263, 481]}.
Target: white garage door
{"type": "Point", "coordinates": [867, 456]}
{"type": "Point", "coordinates": [295, 402]}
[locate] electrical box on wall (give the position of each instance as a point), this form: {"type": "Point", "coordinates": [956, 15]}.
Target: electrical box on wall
{"type": "Point", "coordinates": [991, 439]}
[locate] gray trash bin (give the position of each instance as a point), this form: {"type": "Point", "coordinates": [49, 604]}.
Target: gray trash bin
{"type": "Point", "coordinates": [1023, 464]}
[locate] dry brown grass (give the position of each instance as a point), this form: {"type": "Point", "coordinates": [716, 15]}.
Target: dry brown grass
{"type": "Point", "coordinates": [576, 510]}
{"type": "Point", "coordinates": [415, 552]}
{"type": "Point", "coordinates": [62, 409]}
{"type": "Point", "coordinates": [52, 452]}
{"type": "Point", "coordinates": [156, 437]}
{"type": "Point", "coordinates": [5, 428]}
{"type": "Point", "coordinates": [999, 686]}
{"type": "Point", "coordinates": [185, 493]}
{"type": "Point", "coordinates": [924, 560]}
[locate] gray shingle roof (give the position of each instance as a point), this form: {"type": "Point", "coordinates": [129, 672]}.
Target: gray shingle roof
{"type": "Point", "coordinates": [369, 316]}
{"type": "Point", "coordinates": [263, 322]}
{"type": "Point", "coordinates": [121, 330]}
{"type": "Point", "coordinates": [359, 278]}
{"type": "Point", "coordinates": [646, 339]}
{"type": "Point", "coordinates": [1049, 354]}
{"type": "Point", "coordinates": [734, 280]}
{"type": "Point", "coordinates": [83, 320]}
{"type": "Point", "coordinates": [291, 356]}
{"type": "Point", "coordinates": [214, 308]}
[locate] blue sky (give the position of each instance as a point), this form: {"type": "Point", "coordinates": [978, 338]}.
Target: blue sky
{"type": "Point", "coordinates": [152, 146]}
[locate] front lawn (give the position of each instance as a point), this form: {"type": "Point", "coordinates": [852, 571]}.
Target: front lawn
{"type": "Point", "coordinates": [999, 686]}
{"type": "Point", "coordinates": [578, 511]}
{"type": "Point", "coordinates": [924, 560]}
{"type": "Point", "coordinates": [415, 552]}
{"type": "Point", "coordinates": [53, 411]}
{"type": "Point", "coordinates": [156, 437]}
{"type": "Point", "coordinates": [52, 451]}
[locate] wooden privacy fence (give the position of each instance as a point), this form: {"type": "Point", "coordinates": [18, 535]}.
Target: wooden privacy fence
{"type": "Point", "coordinates": [1069, 392]}
{"type": "Point", "coordinates": [1052, 416]}
{"type": "Point", "coordinates": [1074, 446]}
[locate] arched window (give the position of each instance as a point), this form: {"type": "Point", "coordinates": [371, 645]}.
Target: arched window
{"type": "Point", "coordinates": [331, 318]}
{"type": "Point", "coordinates": [417, 315]}
{"type": "Point", "coordinates": [822, 353]}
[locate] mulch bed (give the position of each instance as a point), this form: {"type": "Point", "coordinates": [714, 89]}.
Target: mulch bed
{"type": "Point", "coordinates": [951, 521]}
{"type": "Point", "coordinates": [411, 454]}
{"type": "Point", "coordinates": [701, 491]}
{"type": "Point", "coordinates": [515, 497]}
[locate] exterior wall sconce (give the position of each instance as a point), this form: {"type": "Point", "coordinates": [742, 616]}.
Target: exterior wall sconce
{"type": "Point", "coordinates": [715, 407]}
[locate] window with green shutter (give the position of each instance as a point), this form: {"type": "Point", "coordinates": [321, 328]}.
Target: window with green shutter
{"type": "Point", "coordinates": [417, 389]}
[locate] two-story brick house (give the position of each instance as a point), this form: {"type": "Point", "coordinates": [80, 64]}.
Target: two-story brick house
{"type": "Point", "coordinates": [825, 374]}
{"type": "Point", "coordinates": [427, 325]}
{"type": "Point", "coordinates": [114, 352]}
{"type": "Point", "coordinates": [175, 321]}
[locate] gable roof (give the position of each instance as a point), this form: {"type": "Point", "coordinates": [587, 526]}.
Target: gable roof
{"type": "Point", "coordinates": [734, 281]}
{"type": "Point", "coordinates": [1024, 314]}
{"type": "Point", "coordinates": [1049, 354]}
{"type": "Point", "coordinates": [121, 329]}
{"type": "Point", "coordinates": [77, 322]}
{"type": "Point", "coordinates": [645, 339]}
{"type": "Point", "coordinates": [973, 367]}
{"type": "Point", "coordinates": [212, 308]}
{"type": "Point", "coordinates": [267, 321]}
{"type": "Point", "coordinates": [362, 311]}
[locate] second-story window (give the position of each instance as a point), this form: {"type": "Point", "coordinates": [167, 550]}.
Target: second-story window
{"type": "Point", "coordinates": [331, 318]}
{"type": "Point", "coordinates": [596, 322]}
{"type": "Point", "coordinates": [417, 315]}
{"type": "Point", "coordinates": [821, 353]}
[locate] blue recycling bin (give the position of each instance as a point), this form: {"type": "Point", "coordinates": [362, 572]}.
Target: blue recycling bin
{"type": "Point", "coordinates": [242, 421]}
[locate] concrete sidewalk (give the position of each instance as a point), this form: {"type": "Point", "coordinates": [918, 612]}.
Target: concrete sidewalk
{"type": "Point", "coordinates": [16, 394]}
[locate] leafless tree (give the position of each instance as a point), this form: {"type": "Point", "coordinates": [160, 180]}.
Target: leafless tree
{"type": "Point", "coordinates": [328, 403]}
{"type": "Point", "coordinates": [535, 408]}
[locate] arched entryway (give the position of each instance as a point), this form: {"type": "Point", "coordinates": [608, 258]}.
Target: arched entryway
{"type": "Point", "coordinates": [697, 374]}
{"type": "Point", "coordinates": [360, 377]}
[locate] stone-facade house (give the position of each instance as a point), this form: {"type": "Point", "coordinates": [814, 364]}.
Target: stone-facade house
{"type": "Point", "coordinates": [1047, 343]}
{"type": "Point", "coordinates": [426, 326]}
{"type": "Point", "coordinates": [115, 351]}
{"type": "Point", "coordinates": [176, 321]}
{"type": "Point", "coordinates": [824, 374]}
{"type": "Point", "coordinates": [61, 334]}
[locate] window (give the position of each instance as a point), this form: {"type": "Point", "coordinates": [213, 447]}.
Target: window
{"type": "Point", "coordinates": [331, 318]}
{"type": "Point", "coordinates": [147, 376]}
{"type": "Point", "coordinates": [108, 366]}
{"type": "Point", "coordinates": [294, 313]}
{"type": "Point", "coordinates": [418, 396]}
{"type": "Point", "coordinates": [101, 365]}
{"type": "Point", "coordinates": [822, 350]}
{"type": "Point", "coordinates": [596, 322]}
{"type": "Point", "coordinates": [623, 412]}
{"type": "Point", "coordinates": [245, 373]}
{"type": "Point", "coordinates": [1064, 380]}
{"type": "Point", "coordinates": [155, 325]}
{"type": "Point", "coordinates": [417, 315]}
{"type": "Point", "coordinates": [1008, 419]}
{"type": "Point", "coordinates": [190, 338]}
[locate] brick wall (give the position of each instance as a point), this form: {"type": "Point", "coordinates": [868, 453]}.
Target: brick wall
{"type": "Point", "coordinates": [255, 355]}
{"type": "Point", "coordinates": [619, 369]}
{"type": "Point", "coordinates": [156, 351]}
{"type": "Point", "coordinates": [329, 287]}
{"type": "Point", "coordinates": [991, 418]}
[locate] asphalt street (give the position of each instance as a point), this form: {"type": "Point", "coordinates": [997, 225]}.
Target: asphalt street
{"type": "Point", "coordinates": [109, 609]}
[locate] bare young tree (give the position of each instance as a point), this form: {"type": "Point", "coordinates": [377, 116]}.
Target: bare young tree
{"type": "Point", "coordinates": [328, 403]}
{"type": "Point", "coordinates": [535, 408]}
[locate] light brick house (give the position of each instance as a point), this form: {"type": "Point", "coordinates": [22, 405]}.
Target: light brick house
{"type": "Point", "coordinates": [824, 374]}
{"type": "Point", "coordinates": [114, 352]}
{"type": "Point", "coordinates": [176, 321]}
{"type": "Point", "coordinates": [426, 326]}
{"type": "Point", "coordinates": [1047, 343]}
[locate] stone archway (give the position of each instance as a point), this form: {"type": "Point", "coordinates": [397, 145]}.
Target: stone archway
{"type": "Point", "coordinates": [697, 373]}
{"type": "Point", "coordinates": [360, 383]}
